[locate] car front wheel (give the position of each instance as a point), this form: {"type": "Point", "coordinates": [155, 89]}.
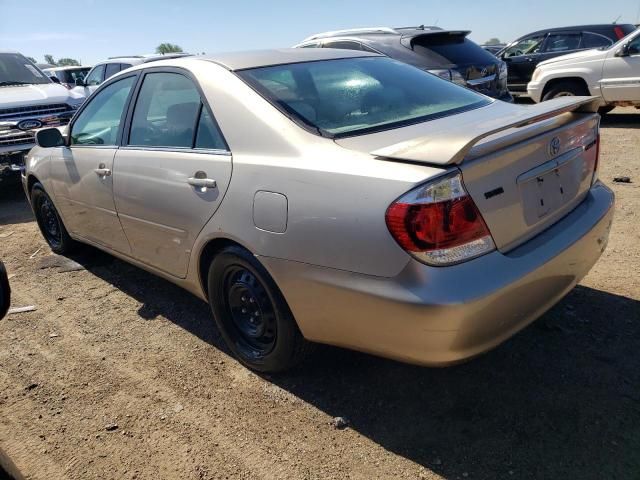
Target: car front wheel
{"type": "Point", "coordinates": [251, 313]}
{"type": "Point", "coordinates": [50, 223]}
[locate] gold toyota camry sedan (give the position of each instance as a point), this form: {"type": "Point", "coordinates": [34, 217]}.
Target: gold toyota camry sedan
{"type": "Point", "coordinates": [332, 196]}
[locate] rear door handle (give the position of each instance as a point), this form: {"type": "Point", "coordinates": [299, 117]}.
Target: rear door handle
{"type": "Point", "coordinates": [102, 171]}
{"type": "Point", "coordinates": [202, 182]}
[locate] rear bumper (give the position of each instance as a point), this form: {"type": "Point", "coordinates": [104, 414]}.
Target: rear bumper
{"type": "Point", "coordinates": [440, 316]}
{"type": "Point", "coordinates": [534, 90]}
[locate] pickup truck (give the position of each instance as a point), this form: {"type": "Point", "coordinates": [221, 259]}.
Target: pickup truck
{"type": "Point", "coordinates": [611, 73]}
{"type": "Point", "coordinates": [29, 100]}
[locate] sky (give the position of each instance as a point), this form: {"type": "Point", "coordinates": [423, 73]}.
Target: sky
{"type": "Point", "coordinates": [92, 30]}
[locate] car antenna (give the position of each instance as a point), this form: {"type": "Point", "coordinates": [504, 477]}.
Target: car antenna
{"type": "Point", "coordinates": [616, 20]}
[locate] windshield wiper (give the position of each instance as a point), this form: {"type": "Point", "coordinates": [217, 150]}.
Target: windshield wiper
{"type": "Point", "coordinates": [5, 84]}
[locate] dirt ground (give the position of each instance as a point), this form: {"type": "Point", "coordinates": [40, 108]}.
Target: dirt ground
{"type": "Point", "coordinates": [119, 374]}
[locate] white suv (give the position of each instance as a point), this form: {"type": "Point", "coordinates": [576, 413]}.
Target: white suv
{"type": "Point", "coordinates": [612, 73]}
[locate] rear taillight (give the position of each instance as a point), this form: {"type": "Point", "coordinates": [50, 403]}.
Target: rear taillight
{"type": "Point", "coordinates": [619, 32]}
{"type": "Point", "coordinates": [439, 224]}
{"type": "Point", "coordinates": [596, 163]}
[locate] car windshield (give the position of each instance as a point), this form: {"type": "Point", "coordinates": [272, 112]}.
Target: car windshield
{"type": "Point", "coordinates": [17, 70]}
{"type": "Point", "coordinates": [359, 95]}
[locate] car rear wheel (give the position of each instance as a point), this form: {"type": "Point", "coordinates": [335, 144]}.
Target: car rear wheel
{"type": "Point", "coordinates": [565, 89]}
{"type": "Point", "coordinates": [50, 223]}
{"type": "Point", "coordinates": [251, 313]}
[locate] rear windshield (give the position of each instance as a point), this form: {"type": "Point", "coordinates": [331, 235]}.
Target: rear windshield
{"type": "Point", "coordinates": [70, 76]}
{"type": "Point", "coordinates": [358, 95]}
{"type": "Point", "coordinates": [455, 49]}
{"type": "Point", "coordinates": [17, 70]}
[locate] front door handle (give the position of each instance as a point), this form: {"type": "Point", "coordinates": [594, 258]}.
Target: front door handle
{"type": "Point", "coordinates": [202, 182]}
{"type": "Point", "coordinates": [102, 171]}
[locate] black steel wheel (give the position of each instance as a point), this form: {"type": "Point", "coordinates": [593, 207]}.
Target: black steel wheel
{"type": "Point", "coordinates": [252, 314]}
{"type": "Point", "coordinates": [49, 221]}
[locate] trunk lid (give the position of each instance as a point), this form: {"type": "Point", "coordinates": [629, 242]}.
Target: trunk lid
{"type": "Point", "coordinates": [524, 167]}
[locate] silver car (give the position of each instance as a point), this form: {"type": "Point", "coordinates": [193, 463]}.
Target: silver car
{"type": "Point", "coordinates": [332, 196]}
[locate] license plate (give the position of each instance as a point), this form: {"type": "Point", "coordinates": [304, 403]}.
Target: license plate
{"type": "Point", "coordinates": [546, 188]}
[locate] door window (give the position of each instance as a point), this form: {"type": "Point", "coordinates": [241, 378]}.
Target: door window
{"type": "Point", "coordinates": [526, 46]}
{"type": "Point", "coordinates": [344, 45]}
{"type": "Point", "coordinates": [562, 42]}
{"type": "Point", "coordinates": [594, 40]}
{"type": "Point", "coordinates": [166, 112]}
{"type": "Point", "coordinates": [100, 120]}
{"type": "Point", "coordinates": [111, 70]}
{"type": "Point", "coordinates": [634, 47]}
{"type": "Point", "coordinates": [208, 135]}
{"type": "Point", "coordinates": [95, 77]}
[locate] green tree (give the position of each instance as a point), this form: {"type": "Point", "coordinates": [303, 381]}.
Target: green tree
{"type": "Point", "coordinates": [49, 59]}
{"type": "Point", "coordinates": [67, 62]}
{"type": "Point", "coordinates": [168, 48]}
{"type": "Point", "coordinates": [493, 41]}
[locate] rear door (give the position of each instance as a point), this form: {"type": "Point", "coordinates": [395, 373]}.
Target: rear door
{"type": "Point", "coordinates": [621, 74]}
{"type": "Point", "coordinates": [559, 43]}
{"type": "Point", "coordinates": [172, 171]}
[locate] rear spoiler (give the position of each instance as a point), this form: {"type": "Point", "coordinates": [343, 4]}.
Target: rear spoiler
{"type": "Point", "coordinates": [408, 39]}
{"type": "Point", "coordinates": [451, 146]}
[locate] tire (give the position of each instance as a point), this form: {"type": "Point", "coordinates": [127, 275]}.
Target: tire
{"type": "Point", "coordinates": [606, 109]}
{"type": "Point", "coordinates": [251, 313]}
{"type": "Point", "coordinates": [566, 88]}
{"type": "Point", "coordinates": [50, 223]}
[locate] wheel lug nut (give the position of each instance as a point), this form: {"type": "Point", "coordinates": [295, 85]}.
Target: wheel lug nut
{"type": "Point", "coordinates": [251, 300]}
{"type": "Point", "coordinates": [244, 299]}
{"type": "Point", "coordinates": [244, 310]}
{"type": "Point", "coordinates": [256, 314]}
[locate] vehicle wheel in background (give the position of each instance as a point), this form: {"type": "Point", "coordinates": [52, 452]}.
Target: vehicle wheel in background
{"type": "Point", "coordinates": [50, 223]}
{"type": "Point", "coordinates": [606, 109]}
{"type": "Point", "coordinates": [251, 313]}
{"type": "Point", "coordinates": [566, 88]}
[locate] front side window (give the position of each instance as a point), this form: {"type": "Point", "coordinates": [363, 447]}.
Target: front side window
{"type": "Point", "coordinates": [357, 95]}
{"type": "Point", "coordinates": [562, 42]}
{"type": "Point", "coordinates": [166, 112]}
{"type": "Point", "coordinates": [95, 76]}
{"type": "Point", "coordinates": [634, 47]}
{"type": "Point", "coordinates": [17, 70]}
{"type": "Point", "coordinates": [526, 46]}
{"type": "Point", "coordinates": [100, 120]}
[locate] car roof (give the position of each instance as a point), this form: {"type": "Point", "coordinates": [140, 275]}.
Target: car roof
{"type": "Point", "coordinates": [69, 67]}
{"type": "Point", "coordinates": [265, 58]}
{"type": "Point", "coordinates": [139, 59]}
{"type": "Point", "coordinates": [373, 31]}
{"type": "Point", "coordinates": [597, 26]}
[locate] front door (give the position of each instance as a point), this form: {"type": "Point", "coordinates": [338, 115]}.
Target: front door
{"type": "Point", "coordinates": [621, 73]}
{"type": "Point", "coordinates": [522, 58]}
{"type": "Point", "coordinates": [82, 173]}
{"type": "Point", "coordinates": [173, 172]}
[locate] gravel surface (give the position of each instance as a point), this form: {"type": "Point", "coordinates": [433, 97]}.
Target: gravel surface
{"type": "Point", "coordinates": [119, 374]}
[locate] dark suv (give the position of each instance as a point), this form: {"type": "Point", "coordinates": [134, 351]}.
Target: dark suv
{"type": "Point", "coordinates": [523, 55]}
{"type": "Point", "coordinates": [446, 53]}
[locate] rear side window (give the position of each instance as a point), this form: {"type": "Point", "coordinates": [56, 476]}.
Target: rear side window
{"type": "Point", "coordinates": [451, 49]}
{"type": "Point", "coordinates": [166, 111]}
{"type": "Point", "coordinates": [344, 45]}
{"type": "Point", "coordinates": [562, 42]}
{"type": "Point", "coordinates": [359, 95]}
{"type": "Point", "coordinates": [594, 40]}
{"type": "Point", "coordinates": [208, 135]}
{"type": "Point", "coordinates": [112, 69]}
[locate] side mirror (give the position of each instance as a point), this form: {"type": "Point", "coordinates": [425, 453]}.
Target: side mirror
{"type": "Point", "coordinates": [50, 137]}
{"type": "Point", "coordinates": [623, 51]}
{"type": "Point", "coordinates": [55, 79]}
{"type": "Point", "coordinates": [5, 291]}
{"type": "Point", "coordinates": [80, 83]}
